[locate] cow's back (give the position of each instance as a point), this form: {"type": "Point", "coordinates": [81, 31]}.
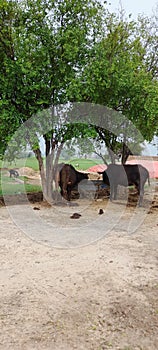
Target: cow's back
{"type": "Point", "coordinates": [127, 174]}
{"type": "Point", "coordinates": [67, 175]}
{"type": "Point", "coordinates": [136, 173]}
{"type": "Point", "coordinates": [117, 174]}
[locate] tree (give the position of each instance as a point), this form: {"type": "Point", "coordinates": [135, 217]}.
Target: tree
{"type": "Point", "coordinates": [121, 73]}
{"type": "Point", "coordinates": [44, 44]}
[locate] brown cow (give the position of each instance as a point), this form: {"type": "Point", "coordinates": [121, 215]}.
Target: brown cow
{"type": "Point", "coordinates": [69, 178]}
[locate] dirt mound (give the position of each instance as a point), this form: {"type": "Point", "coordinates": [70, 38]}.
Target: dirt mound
{"type": "Point", "coordinates": [94, 176]}
{"type": "Point", "coordinates": [29, 172]}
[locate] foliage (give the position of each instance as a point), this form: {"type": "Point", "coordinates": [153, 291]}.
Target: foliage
{"type": "Point", "coordinates": [43, 46]}
{"type": "Point", "coordinates": [121, 74]}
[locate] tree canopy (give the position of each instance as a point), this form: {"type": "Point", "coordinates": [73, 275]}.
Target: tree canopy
{"type": "Point", "coordinates": [121, 73]}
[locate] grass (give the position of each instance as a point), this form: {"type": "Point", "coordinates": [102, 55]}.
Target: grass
{"type": "Point", "coordinates": [83, 164]}
{"type": "Point", "coordinates": [10, 186]}
{"type": "Point", "coordinates": [30, 162]}
{"type": "Point", "coordinates": [18, 189]}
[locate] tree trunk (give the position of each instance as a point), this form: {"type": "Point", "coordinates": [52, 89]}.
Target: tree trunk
{"type": "Point", "coordinates": [56, 170]}
{"type": "Point", "coordinates": [42, 172]}
{"type": "Point", "coordinates": [58, 154]}
{"type": "Point", "coordinates": [48, 175]}
{"type": "Point", "coordinates": [125, 153]}
{"type": "Point", "coordinates": [46, 179]}
{"type": "Point", "coordinates": [101, 156]}
{"type": "Point", "coordinates": [49, 167]}
{"type": "Point", "coordinates": [112, 155]}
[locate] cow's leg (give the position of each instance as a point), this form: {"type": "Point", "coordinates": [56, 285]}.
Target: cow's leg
{"type": "Point", "coordinates": [68, 193]}
{"type": "Point", "coordinates": [64, 191]}
{"type": "Point", "coordinates": [65, 195]}
{"type": "Point", "coordinates": [137, 186]}
{"type": "Point", "coordinates": [115, 191]}
{"type": "Point", "coordinates": [112, 191]}
{"type": "Point", "coordinates": [140, 189]}
{"type": "Point", "coordinates": [141, 194]}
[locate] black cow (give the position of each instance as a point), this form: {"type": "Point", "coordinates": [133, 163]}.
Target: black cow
{"type": "Point", "coordinates": [126, 175]}
{"type": "Point", "coordinates": [13, 172]}
{"type": "Point", "coordinates": [69, 178]}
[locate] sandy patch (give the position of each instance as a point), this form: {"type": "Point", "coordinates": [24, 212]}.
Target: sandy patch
{"type": "Point", "coordinates": [101, 296]}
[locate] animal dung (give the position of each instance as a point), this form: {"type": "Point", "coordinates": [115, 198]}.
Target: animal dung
{"type": "Point", "coordinates": [75, 216]}
{"type": "Point", "coordinates": [101, 211]}
{"type": "Point", "coordinates": [36, 208]}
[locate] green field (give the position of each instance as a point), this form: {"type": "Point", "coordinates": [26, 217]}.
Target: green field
{"type": "Point", "coordinates": [31, 162]}
{"type": "Point", "coordinates": [84, 164]}
{"type": "Point", "coordinates": [10, 186]}
{"type": "Point", "coordinates": [19, 163]}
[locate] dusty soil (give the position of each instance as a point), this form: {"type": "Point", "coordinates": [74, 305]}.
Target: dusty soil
{"type": "Point", "coordinates": [103, 295]}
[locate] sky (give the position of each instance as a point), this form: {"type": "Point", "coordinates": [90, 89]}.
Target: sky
{"type": "Point", "coordinates": [135, 7]}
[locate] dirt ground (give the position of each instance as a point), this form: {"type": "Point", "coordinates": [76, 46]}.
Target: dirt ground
{"type": "Point", "coordinates": [102, 294]}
